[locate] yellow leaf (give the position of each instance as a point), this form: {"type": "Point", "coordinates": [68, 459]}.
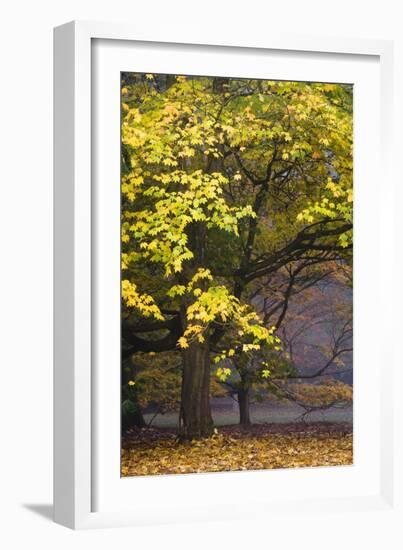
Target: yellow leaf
{"type": "Point", "coordinates": [183, 343]}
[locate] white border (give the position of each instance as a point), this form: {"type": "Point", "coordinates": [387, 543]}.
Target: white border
{"type": "Point", "coordinates": [73, 282]}
{"type": "Point", "coordinates": [109, 491]}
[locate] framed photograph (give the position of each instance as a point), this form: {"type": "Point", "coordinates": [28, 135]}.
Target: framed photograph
{"type": "Point", "coordinates": [222, 215]}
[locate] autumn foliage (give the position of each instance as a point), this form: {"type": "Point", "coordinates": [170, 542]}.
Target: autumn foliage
{"type": "Point", "coordinates": [237, 204]}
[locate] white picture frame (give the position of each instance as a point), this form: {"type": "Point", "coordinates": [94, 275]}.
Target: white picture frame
{"type": "Point", "coordinates": [77, 472]}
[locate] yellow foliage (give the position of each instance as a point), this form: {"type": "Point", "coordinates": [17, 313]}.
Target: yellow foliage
{"type": "Point", "coordinates": [322, 394]}
{"type": "Point", "coordinates": [142, 302]}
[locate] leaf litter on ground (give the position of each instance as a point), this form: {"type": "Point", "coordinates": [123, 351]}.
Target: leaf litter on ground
{"type": "Point", "coordinates": [266, 446]}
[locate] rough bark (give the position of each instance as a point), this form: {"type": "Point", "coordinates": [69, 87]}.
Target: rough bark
{"type": "Point", "coordinates": [195, 415]}
{"type": "Point", "coordinates": [195, 420]}
{"type": "Point", "coordinates": [243, 402]}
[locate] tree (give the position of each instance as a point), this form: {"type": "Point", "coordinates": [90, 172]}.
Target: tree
{"type": "Point", "coordinates": [317, 342]}
{"type": "Point", "coordinates": [224, 182]}
{"type": "Point", "coordinates": [152, 383]}
{"type": "Point", "coordinates": [313, 317]}
{"type": "Point", "coordinates": [149, 380]}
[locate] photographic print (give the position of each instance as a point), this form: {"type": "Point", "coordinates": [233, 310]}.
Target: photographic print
{"type": "Point", "coordinates": [236, 274]}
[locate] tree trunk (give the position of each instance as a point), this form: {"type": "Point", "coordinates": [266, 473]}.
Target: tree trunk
{"type": "Point", "coordinates": [195, 420]}
{"type": "Point", "coordinates": [137, 418]}
{"type": "Point", "coordinates": [133, 418]}
{"type": "Point", "coordinates": [243, 402]}
{"type": "Point", "coordinates": [195, 415]}
{"type": "Point", "coordinates": [131, 415]}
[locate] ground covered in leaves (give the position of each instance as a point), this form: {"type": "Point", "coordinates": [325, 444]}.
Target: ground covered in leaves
{"type": "Point", "coordinates": [265, 446]}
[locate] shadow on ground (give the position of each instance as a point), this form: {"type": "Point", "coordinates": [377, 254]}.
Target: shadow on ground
{"type": "Point", "coordinates": [43, 510]}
